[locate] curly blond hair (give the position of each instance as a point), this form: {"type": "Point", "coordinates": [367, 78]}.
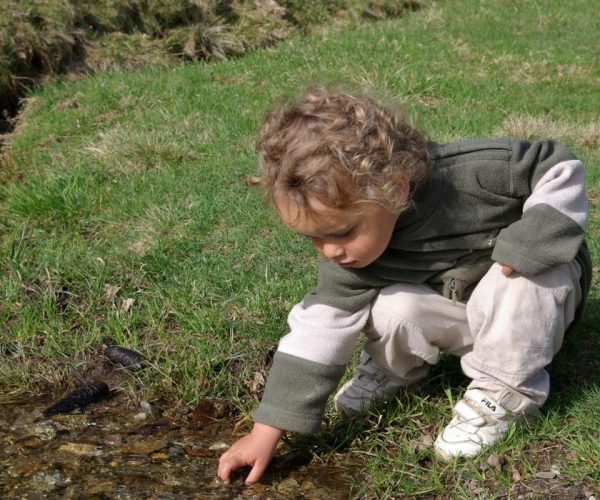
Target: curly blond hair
{"type": "Point", "coordinates": [340, 149]}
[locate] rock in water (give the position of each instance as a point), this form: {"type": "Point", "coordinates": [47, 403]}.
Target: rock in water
{"type": "Point", "coordinates": [92, 393]}
{"type": "Point", "coordinates": [125, 357]}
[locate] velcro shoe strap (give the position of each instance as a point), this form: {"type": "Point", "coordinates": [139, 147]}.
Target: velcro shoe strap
{"type": "Point", "coordinates": [468, 413]}
{"type": "Point", "coordinates": [486, 405]}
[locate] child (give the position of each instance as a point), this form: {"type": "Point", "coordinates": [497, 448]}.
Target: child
{"type": "Point", "coordinates": [474, 248]}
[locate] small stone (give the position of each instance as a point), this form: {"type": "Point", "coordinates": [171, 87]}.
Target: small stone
{"type": "Point", "coordinates": [81, 449]}
{"type": "Point", "coordinates": [44, 430]}
{"type": "Point", "coordinates": [31, 442]}
{"type": "Point", "coordinates": [47, 481]}
{"type": "Point", "coordinates": [149, 410]}
{"type": "Point", "coordinates": [218, 446]}
{"type": "Point", "coordinates": [104, 487]}
{"type": "Point", "coordinates": [176, 453]}
{"type": "Point", "coordinates": [159, 457]}
{"type": "Point", "coordinates": [140, 417]}
{"type": "Point", "coordinates": [288, 487]}
{"type": "Point", "coordinates": [307, 486]}
{"type": "Point", "coordinates": [171, 482]}
{"type": "Point", "coordinates": [145, 447]}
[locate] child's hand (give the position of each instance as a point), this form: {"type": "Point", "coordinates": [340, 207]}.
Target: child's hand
{"type": "Point", "coordinates": [506, 270]}
{"type": "Point", "coordinates": [256, 450]}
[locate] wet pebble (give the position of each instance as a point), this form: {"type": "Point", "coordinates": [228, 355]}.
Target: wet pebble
{"type": "Point", "coordinates": [159, 457]}
{"type": "Point", "coordinates": [31, 442]}
{"type": "Point", "coordinates": [144, 447]}
{"type": "Point", "coordinates": [81, 449]}
{"type": "Point", "coordinates": [176, 453]}
{"type": "Point", "coordinates": [47, 481]}
{"type": "Point", "coordinates": [101, 488]}
{"type": "Point", "coordinates": [140, 417]}
{"type": "Point", "coordinates": [288, 487]}
{"type": "Point", "coordinates": [149, 410]}
{"type": "Point", "coordinates": [218, 446]}
{"type": "Point", "coordinates": [45, 430]}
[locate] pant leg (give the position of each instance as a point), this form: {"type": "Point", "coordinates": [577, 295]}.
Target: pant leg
{"type": "Point", "coordinates": [518, 324]}
{"type": "Point", "coordinates": [410, 325]}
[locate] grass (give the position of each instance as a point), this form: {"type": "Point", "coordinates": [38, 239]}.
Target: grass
{"type": "Point", "coordinates": [130, 185]}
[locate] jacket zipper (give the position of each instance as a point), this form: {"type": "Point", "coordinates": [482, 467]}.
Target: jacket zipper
{"type": "Point", "coordinates": [453, 290]}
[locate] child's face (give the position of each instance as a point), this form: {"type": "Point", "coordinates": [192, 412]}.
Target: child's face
{"type": "Point", "coordinates": [352, 239]}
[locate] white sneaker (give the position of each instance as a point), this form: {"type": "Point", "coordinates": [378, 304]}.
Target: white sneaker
{"type": "Point", "coordinates": [369, 385]}
{"type": "Point", "coordinates": [478, 423]}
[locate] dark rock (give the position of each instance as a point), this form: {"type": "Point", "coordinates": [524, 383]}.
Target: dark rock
{"type": "Point", "coordinates": [80, 398]}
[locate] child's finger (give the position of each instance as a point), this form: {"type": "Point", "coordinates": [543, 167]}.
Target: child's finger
{"type": "Point", "coordinates": [227, 464]}
{"type": "Point", "coordinates": [257, 471]}
{"type": "Point", "coordinates": [507, 270]}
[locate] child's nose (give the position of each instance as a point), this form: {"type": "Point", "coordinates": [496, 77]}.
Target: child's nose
{"type": "Point", "coordinates": [332, 251]}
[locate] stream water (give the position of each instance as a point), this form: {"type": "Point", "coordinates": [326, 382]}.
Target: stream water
{"type": "Point", "coordinates": [117, 449]}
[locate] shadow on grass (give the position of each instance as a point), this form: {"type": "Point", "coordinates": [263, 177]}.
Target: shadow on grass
{"type": "Point", "coordinates": [576, 367]}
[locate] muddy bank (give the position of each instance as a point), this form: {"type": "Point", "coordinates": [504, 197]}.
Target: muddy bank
{"type": "Point", "coordinates": [45, 38]}
{"type": "Point", "coordinates": [119, 449]}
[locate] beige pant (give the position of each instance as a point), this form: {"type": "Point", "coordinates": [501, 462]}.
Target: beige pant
{"type": "Point", "coordinates": [508, 331]}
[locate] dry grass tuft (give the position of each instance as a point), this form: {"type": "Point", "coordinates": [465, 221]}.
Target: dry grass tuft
{"type": "Point", "coordinates": [535, 127]}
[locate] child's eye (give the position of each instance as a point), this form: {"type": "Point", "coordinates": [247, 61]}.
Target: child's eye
{"type": "Point", "coordinates": [344, 234]}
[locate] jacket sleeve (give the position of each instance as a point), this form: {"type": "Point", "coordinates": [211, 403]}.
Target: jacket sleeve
{"type": "Point", "coordinates": [312, 357]}
{"type": "Point", "coordinates": [551, 181]}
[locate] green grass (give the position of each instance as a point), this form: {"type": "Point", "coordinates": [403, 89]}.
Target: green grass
{"type": "Point", "coordinates": [135, 180]}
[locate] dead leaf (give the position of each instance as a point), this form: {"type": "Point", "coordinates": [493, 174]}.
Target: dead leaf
{"type": "Point", "coordinates": [72, 102]}
{"type": "Point", "coordinates": [126, 305]}
{"type": "Point", "coordinates": [516, 476]}
{"type": "Point", "coordinates": [423, 442]}
{"type": "Point", "coordinates": [110, 292]}
{"type": "Point", "coordinates": [496, 461]}
{"type": "Point", "coordinates": [257, 382]}
{"type": "Point", "coordinates": [208, 410]}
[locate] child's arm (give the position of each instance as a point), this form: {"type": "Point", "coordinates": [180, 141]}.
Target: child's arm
{"type": "Point", "coordinates": [255, 449]}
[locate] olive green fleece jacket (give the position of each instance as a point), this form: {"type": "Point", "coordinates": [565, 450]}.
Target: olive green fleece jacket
{"type": "Point", "coordinates": [510, 201]}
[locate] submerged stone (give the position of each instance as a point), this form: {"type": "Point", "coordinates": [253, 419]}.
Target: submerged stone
{"type": "Point", "coordinates": [47, 481]}
{"type": "Point", "coordinates": [81, 449]}
{"type": "Point", "coordinates": [45, 430]}
{"type": "Point", "coordinates": [144, 447]}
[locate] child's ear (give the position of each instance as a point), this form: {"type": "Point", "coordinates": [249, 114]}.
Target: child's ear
{"type": "Point", "coordinates": [405, 189]}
